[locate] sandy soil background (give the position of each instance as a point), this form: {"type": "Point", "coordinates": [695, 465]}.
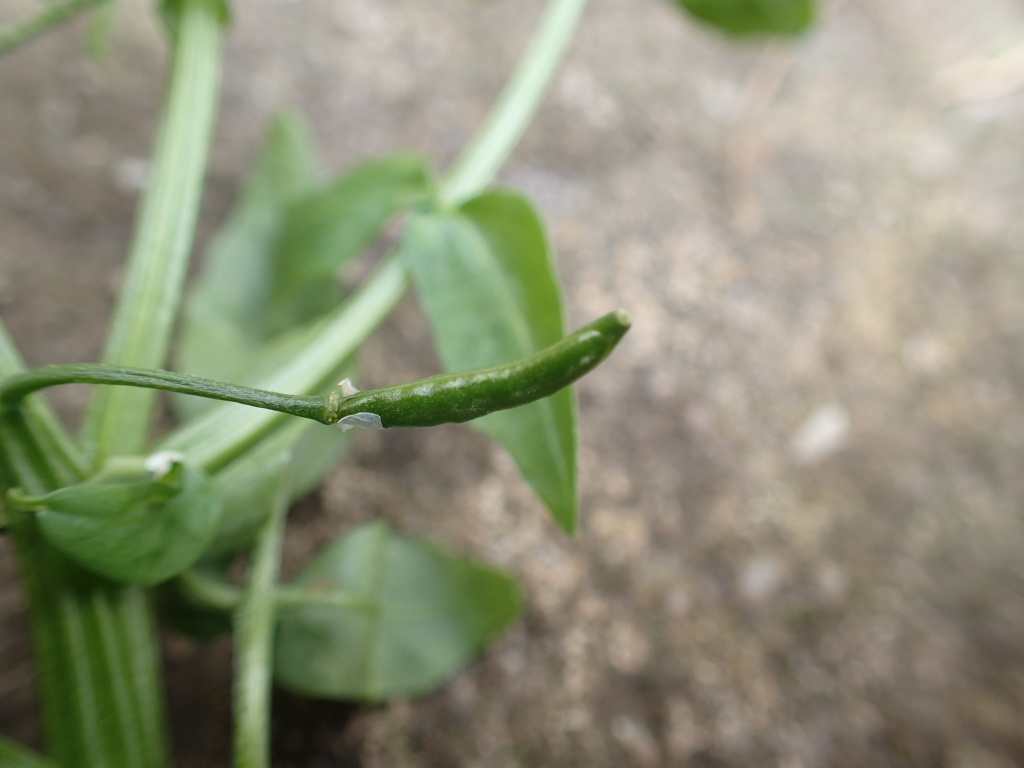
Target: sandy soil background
{"type": "Point", "coordinates": [802, 472]}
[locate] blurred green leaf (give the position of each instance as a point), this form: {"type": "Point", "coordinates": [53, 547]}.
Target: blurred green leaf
{"type": "Point", "coordinates": [753, 17]}
{"type": "Point", "coordinates": [246, 485]}
{"type": "Point", "coordinates": [421, 615]}
{"type": "Point", "coordinates": [130, 526]}
{"type": "Point", "coordinates": [487, 283]}
{"type": "Point", "coordinates": [225, 316]}
{"type": "Point", "coordinates": [101, 27]}
{"type": "Point", "coordinates": [328, 227]}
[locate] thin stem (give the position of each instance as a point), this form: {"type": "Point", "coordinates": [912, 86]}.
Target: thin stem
{"type": "Point", "coordinates": [118, 420]}
{"type": "Point", "coordinates": [210, 591]}
{"type": "Point", "coordinates": [514, 109]}
{"type": "Point", "coordinates": [221, 434]}
{"type": "Point", "coordinates": [12, 390]}
{"type": "Point", "coordinates": [50, 15]}
{"type": "Point", "coordinates": [254, 629]}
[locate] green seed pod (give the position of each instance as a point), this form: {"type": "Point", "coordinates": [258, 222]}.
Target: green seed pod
{"type": "Point", "coordinates": [458, 397]}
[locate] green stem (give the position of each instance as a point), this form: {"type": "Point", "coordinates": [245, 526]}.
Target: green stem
{"type": "Point", "coordinates": [17, 387]}
{"type": "Point", "coordinates": [118, 420]}
{"type": "Point", "coordinates": [254, 629]}
{"type": "Point", "coordinates": [50, 15]}
{"type": "Point", "coordinates": [514, 109]}
{"type": "Point", "coordinates": [93, 640]}
{"type": "Point", "coordinates": [442, 399]}
{"type": "Point", "coordinates": [221, 434]}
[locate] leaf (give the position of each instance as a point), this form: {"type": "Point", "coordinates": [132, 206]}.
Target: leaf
{"type": "Point", "coordinates": [225, 317]}
{"type": "Point", "coordinates": [130, 526]}
{"type": "Point", "coordinates": [488, 286]}
{"type": "Point", "coordinates": [424, 615]}
{"type": "Point", "coordinates": [753, 17]}
{"type": "Point", "coordinates": [327, 228]}
{"type": "Point", "coordinates": [246, 485]}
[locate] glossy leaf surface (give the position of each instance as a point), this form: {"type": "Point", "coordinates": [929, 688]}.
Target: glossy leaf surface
{"type": "Point", "coordinates": [753, 17]}
{"type": "Point", "coordinates": [417, 616]}
{"type": "Point", "coordinates": [487, 283]}
{"type": "Point", "coordinates": [131, 527]}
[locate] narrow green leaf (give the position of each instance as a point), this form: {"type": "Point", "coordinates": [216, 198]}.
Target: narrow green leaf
{"type": "Point", "coordinates": [324, 230]}
{"type": "Point", "coordinates": [753, 17]}
{"type": "Point", "coordinates": [225, 316]}
{"type": "Point", "coordinates": [129, 525]}
{"type": "Point", "coordinates": [487, 283]}
{"type": "Point", "coordinates": [417, 615]}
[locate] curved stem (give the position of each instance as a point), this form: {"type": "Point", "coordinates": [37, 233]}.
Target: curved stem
{"type": "Point", "coordinates": [12, 390]}
{"type": "Point", "coordinates": [49, 16]}
{"type": "Point", "coordinates": [514, 109]}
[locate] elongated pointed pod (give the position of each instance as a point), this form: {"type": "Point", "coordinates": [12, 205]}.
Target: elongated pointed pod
{"type": "Point", "coordinates": [444, 399]}
{"type": "Point", "coordinates": [459, 397]}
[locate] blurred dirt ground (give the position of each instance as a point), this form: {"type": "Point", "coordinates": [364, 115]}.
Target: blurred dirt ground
{"type": "Point", "coordinates": [802, 472]}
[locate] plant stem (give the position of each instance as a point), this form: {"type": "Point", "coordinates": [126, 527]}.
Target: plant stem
{"type": "Point", "coordinates": [221, 434]}
{"type": "Point", "coordinates": [118, 420]}
{"type": "Point", "coordinates": [50, 15]}
{"type": "Point", "coordinates": [17, 387]}
{"type": "Point", "coordinates": [514, 109]}
{"type": "Point", "coordinates": [254, 630]}
{"type": "Point", "coordinates": [93, 640]}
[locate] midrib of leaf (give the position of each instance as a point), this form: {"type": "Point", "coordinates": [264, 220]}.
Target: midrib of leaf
{"type": "Point", "coordinates": [372, 662]}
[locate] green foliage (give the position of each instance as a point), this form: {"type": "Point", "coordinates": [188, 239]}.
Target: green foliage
{"type": "Point", "coordinates": [127, 524]}
{"type": "Point", "coordinates": [376, 614]}
{"type": "Point", "coordinates": [753, 17]}
{"type": "Point", "coordinates": [224, 326]}
{"type": "Point", "coordinates": [487, 283]}
{"type": "Point", "coordinates": [329, 227]}
{"type": "Point", "coordinates": [409, 615]}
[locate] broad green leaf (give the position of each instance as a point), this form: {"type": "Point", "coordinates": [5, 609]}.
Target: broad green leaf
{"type": "Point", "coordinates": [328, 227]}
{"type": "Point", "coordinates": [225, 316]}
{"type": "Point", "coordinates": [753, 17]}
{"type": "Point", "coordinates": [130, 526]}
{"type": "Point", "coordinates": [486, 281]}
{"type": "Point", "coordinates": [421, 615]}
